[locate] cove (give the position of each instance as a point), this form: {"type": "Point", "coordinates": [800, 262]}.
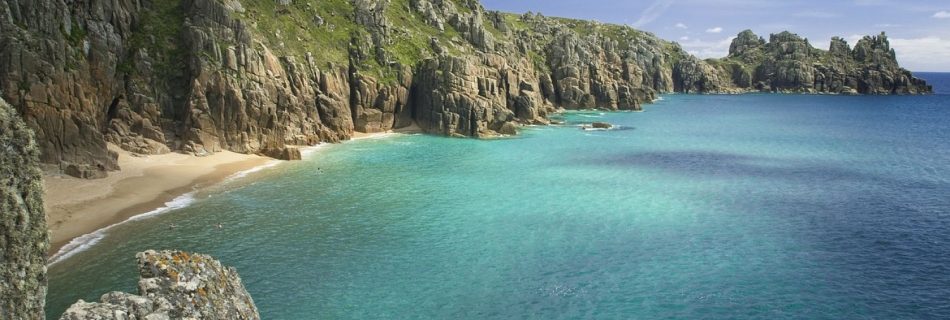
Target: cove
{"type": "Point", "coordinates": [750, 206]}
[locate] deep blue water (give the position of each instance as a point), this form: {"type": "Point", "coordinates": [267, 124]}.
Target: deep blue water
{"type": "Point", "coordinates": [739, 207]}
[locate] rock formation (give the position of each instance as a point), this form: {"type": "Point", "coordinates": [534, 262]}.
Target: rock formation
{"type": "Point", "coordinates": [788, 63]}
{"type": "Point", "coordinates": [174, 285]}
{"type": "Point", "coordinates": [201, 76]}
{"type": "Point", "coordinates": [23, 233]}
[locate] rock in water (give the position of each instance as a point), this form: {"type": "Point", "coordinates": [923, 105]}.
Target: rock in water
{"type": "Point", "coordinates": [23, 233]}
{"type": "Point", "coordinates": [509, 128]}
{"type": "Point", "coordinates": [174, 285]}
{"type": "Point", "coordinates": [601, 125]}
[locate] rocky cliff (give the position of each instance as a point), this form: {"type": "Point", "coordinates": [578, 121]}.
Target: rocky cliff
{"type": "Point", "coordinates": [788, 63]}
{"type": "Point", "coordinates": [23, 233]}
{"type": "Point", "coordinates": [200, 76]}
{"type": "Point", "coordinates": [174, 285]}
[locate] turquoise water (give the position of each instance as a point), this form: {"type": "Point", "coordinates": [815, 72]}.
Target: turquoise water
{"type": "Point", "coordinates": [743, 207]}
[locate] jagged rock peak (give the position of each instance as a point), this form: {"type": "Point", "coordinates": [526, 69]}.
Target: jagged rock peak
{"type": "Point", "coordinates": [24, 237]}
{"type": "Point", "coordinates": [745, 41]}
{"type": "Point", "coordinates": [174, 285]}
{"type": "Point", "coordinates": [875, 49]}
{"type": "Point", "coordinates": [839, 47]}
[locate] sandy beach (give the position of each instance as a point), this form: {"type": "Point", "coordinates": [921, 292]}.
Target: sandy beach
{"type": "Point", "coordinates": [75, 207]}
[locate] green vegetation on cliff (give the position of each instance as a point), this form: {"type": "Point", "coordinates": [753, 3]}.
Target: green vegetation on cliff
{"type": "Point", "coordinates": [322, 28]}
{"type": "Point", "coordinates": [253, 76]}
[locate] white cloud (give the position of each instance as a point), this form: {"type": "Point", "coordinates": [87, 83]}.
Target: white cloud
{"type": "Point", "coordinates": [923, 54]}
{"type": "Point", "coordinates": [681, 26]}
{"type": "Point", "coordinates": [942, 15]}
{"type": "Point", "coordinates": [684, 38]}
{"type": "Point", "coordinates": [652, 12]}
{"type": "Point", "coordinates": [714, 30]}
{"type": "Point", "coordinates": [708, 49]}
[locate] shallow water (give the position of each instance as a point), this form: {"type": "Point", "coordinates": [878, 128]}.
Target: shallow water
{"type": "Point", "coordinates": [752, 206]}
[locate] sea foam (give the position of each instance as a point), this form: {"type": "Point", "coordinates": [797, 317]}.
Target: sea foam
{"type": "Point", "coordinates": [86, 241]}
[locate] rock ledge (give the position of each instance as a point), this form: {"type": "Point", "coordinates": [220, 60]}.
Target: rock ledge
{"type": "Point", "coordinates": [174, 285]}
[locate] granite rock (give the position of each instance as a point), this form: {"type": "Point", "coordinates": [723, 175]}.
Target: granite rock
{"type": "Point", "coordinates": [174, 285]}
{"type": "Point", "coordinates": [24, 238]}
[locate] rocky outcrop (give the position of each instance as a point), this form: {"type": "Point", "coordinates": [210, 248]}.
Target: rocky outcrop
{"type": "Point", "coordinates": [618, 69]}
{"type": "Point", "coordinates": [476, 96]}
{"type": "Point", "coordinates": [23, 233]}
{"type": "Point", "coordinates": [788, 63]}
{"type": "Point", "coordinates": [174, 285]}
{"type": "Point", "coordinates": [201, 76]}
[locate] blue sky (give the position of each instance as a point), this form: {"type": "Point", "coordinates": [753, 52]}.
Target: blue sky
{"type": "Point", "coordinates": [919, 29]}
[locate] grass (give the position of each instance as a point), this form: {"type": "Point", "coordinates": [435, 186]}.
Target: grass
{"type": "Point", "coordinates": [293, 29]}
{"type": "Point", "coordinates": [159, 34]}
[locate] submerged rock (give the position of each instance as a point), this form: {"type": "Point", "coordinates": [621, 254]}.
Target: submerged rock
{"type": "Point", "coordinates": [174, 285]}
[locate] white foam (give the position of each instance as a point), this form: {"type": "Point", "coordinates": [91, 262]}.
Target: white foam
{"type": "Point", "coordinates": [86, 241]}
{"type": "Point", "coordinates": [307, 152]}
{"type": "Point", "coordinates": [375, 136]}
{"type": "Point", "coordinates": [245, 173]}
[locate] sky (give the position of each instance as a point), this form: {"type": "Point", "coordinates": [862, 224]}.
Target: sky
{"type": "Point", "coordinates": [919, 30]}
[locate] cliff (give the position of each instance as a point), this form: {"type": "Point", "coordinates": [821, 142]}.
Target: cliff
{"type": "Point", "coordinates": [788, 63]}
{"type": "Point", "coordinates": [23, 234]}
{"type": "Point", "coordinates": [174, 285]}
{"type": "Point", "coordinates": [200, 76]}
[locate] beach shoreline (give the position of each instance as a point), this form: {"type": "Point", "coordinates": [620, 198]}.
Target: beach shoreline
{"type": "Point", "coordinates": [77, 207]}
{"type": "Point", "coordinates": [79, 210]}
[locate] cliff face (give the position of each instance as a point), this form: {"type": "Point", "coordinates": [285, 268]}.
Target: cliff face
{"type": "Point", "coordinates": [23, 234]}
{"type": "Point", "coordinates": [788, 63]}
{"type": "Point", "coordinates": [174, 285]}
{"type": "Point", "coordinates": [202, 76]}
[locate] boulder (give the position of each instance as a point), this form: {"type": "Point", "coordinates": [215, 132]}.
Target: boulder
{"type": "Point", "coordinates": [509, 128]}
{"type": "Point", "coordinates": [284, 153]}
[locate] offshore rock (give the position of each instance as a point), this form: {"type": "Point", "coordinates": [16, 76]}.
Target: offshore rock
{"type": "Point", "coordinates": [601, 125]}
{"type": "Point", "coordinates": [24, 237]}
{"type": "Point", "coordinates": [788, 63]}
{"type": "Point", "coordinates": [174, 285]}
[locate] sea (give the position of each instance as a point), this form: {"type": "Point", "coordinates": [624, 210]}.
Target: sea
{"type": "Point", "coordinates": [758, 206]}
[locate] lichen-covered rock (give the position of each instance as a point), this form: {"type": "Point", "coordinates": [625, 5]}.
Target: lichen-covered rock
{"type": "Point", "coordinates": [746, 42]}
{"type": "Point", "coordinates": [174, 285]}
{"type": "Point", "coordinates": [23, 234]}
